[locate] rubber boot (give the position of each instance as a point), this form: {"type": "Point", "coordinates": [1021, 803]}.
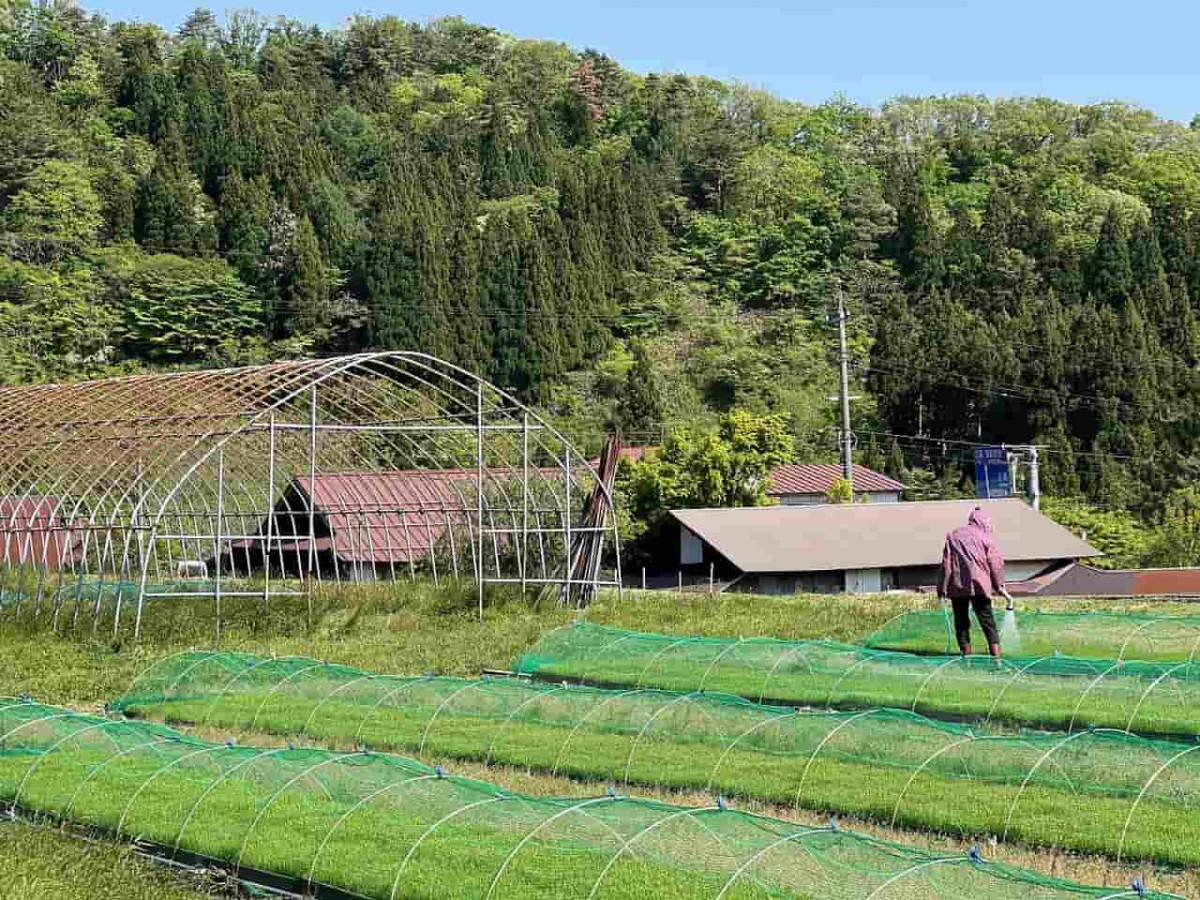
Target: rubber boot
{"type": "Point", "coordinates": [994, 649]}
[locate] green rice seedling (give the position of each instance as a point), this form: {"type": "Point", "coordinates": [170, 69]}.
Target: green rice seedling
{"type": "Point", "coordinates": [378, 826]}
{"type": "Point", "coordinates": [1101, 635]}
{"type": "Point", "coordinates": [1057, 692]}
{"type": "Point", "coordinates": [1142, 797]}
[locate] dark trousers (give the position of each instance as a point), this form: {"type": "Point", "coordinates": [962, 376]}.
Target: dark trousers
{"type": "Point", "coordinates": [983, 612]}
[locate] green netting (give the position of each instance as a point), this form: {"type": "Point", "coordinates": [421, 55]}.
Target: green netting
{"type": "Point", "coordinates": [1141, 797]}
{"type": "Point", "coordinates": [384, 827]}
{"type": "Point", "coordinates": [1054, 691]}
{"type": "Point", "coordinates": [1103, 635]}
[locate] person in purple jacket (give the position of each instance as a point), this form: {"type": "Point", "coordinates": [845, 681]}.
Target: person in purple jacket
{"type": "Point", "coordinates": [972, 573]}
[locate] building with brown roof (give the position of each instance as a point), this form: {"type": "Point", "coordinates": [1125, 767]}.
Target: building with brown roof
{"type": "Point", "coordinates": [806, 484]}
{"type": "Point", "coordinates": [860, 548]}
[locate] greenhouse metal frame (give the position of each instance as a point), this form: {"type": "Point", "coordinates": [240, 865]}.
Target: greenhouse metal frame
{"type": "Point", "coordinates": [262, 481]}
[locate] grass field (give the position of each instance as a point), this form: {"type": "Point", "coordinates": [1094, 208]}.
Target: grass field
{"type": "Point", "coordinates": [385, 827]}
{"type": "Point", "coordinates": [41, 864]}
{"type": "Point", "coordinates": [1058, 692]}
{"type": "Point", "coordinates": [418, 629]}
{"type": "Point", "coordinates": [886, 765]}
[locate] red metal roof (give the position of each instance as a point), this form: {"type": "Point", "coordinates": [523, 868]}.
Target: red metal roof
{"type": "Point", "coordinates": [816, 478]}
{"type": "Point", "coordinates": [396, 516]}
{"type": "Point", "coordinates": [1078, 580]}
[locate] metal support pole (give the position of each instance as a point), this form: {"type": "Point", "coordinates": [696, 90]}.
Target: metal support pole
{"type": "Point", "coordinates": [270, 514]}
{"type": "Point", "coordinates": [711, 579]}
{"type": "Point", "coordinates": [312, 486]}
{"type": "Point", "coordinates": [479, 493]}
{"type": "Point", "coordinates": [643, 578]}
{"type": "Point", "coordinates": [1035, 487]}
{"type": "Point", "coordinates": [523, 561]}
{"type": "Point", "coordinates": [567, 515]}
{"type": "Point", "coordinates": [217, 542]}
{"type": "Point", "coordinates": [847, 435]}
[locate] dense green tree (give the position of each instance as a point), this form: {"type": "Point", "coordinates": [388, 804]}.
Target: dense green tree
{"type": "Point", "coordinates": [639, 401]}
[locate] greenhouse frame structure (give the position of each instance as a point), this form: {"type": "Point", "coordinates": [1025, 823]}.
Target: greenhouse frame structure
{"type": "Point", "coordinates": [265, 480]}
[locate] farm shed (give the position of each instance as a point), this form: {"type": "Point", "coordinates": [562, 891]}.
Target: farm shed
{"type": "Point", "coordinates": [860, 548]}
{"type": "Point", "coordinates": [370, 525]}
{"type": "Point", "coordinates": [113, 490]}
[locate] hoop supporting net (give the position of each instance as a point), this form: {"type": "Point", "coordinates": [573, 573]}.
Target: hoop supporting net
{"type": "Point", "coordinates": [378, 826]}
{"type": "Point", "coordinates": [1054, 691]}
{"type": "Point", "coordinates": [1142, 796]}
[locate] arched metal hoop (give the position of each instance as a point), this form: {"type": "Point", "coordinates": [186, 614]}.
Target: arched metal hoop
{"type": "Point", "coordinates": [262, 481]}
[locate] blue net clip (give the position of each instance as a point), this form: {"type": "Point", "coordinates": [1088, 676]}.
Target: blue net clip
{"type": "Point", "coordinates": [362, 747]}
{"type": "Point", "coordinates": [229, 743]}
{"type": "Point", "coordinates": [974, 854]}
{"type": "Point", "coordinates": [440, 772]}
{"type": "Point", "coordinates": [833, 824]}
{"type": "Point", "coordinates": [291, 745]}
{"type": "Point", "coordinates": [721, 801]}
{"type": "Point", "coordinates": [612, 790]}
{"type": "Point", "coordinates": [25, 698]}
{"type": "Point", "coordinates": [1091, 727]}
{"type": "Point", "coordinates": [1139, 885]}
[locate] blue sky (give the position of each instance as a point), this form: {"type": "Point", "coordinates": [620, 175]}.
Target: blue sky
{"type": "Point", "coordinates": [870, 50]}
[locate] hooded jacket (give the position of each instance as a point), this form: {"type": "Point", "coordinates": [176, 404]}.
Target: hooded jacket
{"type": "Point", "coordinates": [972, 565]}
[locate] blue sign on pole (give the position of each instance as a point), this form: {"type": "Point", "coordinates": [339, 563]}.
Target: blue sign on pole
{"type": "Point", "coordinates": [992, 478]}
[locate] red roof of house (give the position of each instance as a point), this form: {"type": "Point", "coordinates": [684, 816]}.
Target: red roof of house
{"type": "Point", "coordinates": [816, 478]}
{"type": "Point", "coordinates": [397, 516]}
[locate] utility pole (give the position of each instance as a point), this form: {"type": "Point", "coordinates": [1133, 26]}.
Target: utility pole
{"type": "Point", "coordinates": [1035, 488]}
{"type": "Point", "coordinates": [847, 435]}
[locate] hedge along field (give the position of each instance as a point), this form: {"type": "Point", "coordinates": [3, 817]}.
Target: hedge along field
{"type": "Point", "coordinates": [1052, 691]}
{"type": "Point", "coordinates": [1141, 797]}
{"type": "Point", "coordinates": [380, 826]}
{"type": "Point", "coordinates": [1100, 635]}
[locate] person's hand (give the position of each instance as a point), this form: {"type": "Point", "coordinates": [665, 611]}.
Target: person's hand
{"type": "Point", "coordinates": [1007, 596]}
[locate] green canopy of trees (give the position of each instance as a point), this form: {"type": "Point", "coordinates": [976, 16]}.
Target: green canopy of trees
{"type": "Point", "coordinates": [648, 253]}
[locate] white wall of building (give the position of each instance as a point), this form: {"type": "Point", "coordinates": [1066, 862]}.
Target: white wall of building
{"type": "Point", "coordinates": [818, 499]}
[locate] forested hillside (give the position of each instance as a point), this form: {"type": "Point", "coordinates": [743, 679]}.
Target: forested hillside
{"type": "Point", "coordinates": [632, 252]}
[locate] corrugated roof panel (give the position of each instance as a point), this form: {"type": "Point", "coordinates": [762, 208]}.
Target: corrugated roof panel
{"type": "Point", "coordinates": [871, 535]}
{"type": "Point", "coordinates": [816, 478]}
{"type": "Point", "coordinates": [398, 515]}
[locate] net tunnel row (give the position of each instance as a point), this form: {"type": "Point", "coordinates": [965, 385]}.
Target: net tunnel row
{"type": "Point", "coordinates": [362, 824]}
{"type": "Point", "coordinates": [1142, 796]}
{"type": "Point", "coordinates": [1102, 635]}
{"type": "Point", "coordinates": [1052, 691]}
